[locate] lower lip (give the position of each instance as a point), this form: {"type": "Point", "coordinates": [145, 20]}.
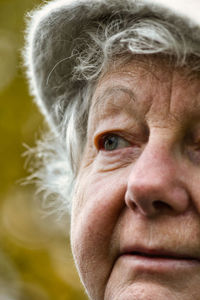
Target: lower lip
{"type": "Point", "coordinates": [159, 264]}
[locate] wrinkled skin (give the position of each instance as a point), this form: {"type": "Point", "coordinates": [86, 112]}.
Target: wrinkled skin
{"type": "Point", "coordinates": [138, 186]}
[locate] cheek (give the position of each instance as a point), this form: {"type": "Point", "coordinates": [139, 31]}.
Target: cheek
{"type": "Point", "coordinates": [194, 183]}
{"type": "Point", "coordinates": [97, 206]}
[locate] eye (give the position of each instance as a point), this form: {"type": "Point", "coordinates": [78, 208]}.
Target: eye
{"type": "Point", "coordinates": [112, 142]}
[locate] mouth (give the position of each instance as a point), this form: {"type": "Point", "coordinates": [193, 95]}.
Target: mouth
{"type": "Point", "coordinates": [158, 260]}
{"type": "Point", "coordinates": [159, 254]}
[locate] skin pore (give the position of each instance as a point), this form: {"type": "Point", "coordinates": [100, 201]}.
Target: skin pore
{"type": "Point", "coordinates": [135, 229]}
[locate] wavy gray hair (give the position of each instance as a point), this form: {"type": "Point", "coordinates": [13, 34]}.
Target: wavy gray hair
{"type": "Point", "coordinates": [115, 39]}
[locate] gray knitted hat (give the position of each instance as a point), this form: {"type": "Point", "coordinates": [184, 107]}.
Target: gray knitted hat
{"type": "Point", "coordinates": [53, 28]}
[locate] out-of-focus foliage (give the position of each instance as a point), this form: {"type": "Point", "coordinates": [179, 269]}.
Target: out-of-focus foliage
{"type": "Point", "coordinates": [35, 258]}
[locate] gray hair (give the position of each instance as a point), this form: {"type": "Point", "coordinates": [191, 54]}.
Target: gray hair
{"type": "Point", "coordinates": [116, 38]}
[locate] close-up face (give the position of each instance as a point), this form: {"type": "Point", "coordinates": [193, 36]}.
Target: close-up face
{"type": "Point", "coordinates": [135, 229]}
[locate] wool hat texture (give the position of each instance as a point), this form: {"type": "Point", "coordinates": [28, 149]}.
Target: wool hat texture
{"type": "Point", "coordinates": [52, 29]}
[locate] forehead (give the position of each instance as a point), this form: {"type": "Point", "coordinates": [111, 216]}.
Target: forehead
{"type": "Point", "coordinates": [147, 87]}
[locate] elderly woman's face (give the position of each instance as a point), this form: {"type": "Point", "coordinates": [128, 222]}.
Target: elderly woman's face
{"type": "Point", "coordinates": [136, 212]}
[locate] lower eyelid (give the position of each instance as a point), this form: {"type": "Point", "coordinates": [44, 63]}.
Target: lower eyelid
{"type": "Point", "coordinates": [110, 160]}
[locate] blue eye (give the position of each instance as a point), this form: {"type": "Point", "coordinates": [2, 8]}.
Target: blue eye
{"type": "Point", "coordinates": [113, 142]}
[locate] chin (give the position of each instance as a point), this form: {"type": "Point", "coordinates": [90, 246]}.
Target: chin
{"type": "Point", "coordinates": [147, 291]}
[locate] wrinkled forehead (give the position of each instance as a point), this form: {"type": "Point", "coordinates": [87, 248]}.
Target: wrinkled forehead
{"type": "Point", "coordinates": [147, 85]}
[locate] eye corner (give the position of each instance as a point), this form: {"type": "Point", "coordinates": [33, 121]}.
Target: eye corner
{"type": "Point", "coordinates": [99, 140]}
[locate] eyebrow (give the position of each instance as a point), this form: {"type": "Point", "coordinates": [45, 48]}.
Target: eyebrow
{"type": "Point", "coordinates": [104, 105]}
{"type": "Point", "coordinates": [111, 91]}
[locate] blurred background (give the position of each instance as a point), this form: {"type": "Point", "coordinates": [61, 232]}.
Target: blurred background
{"type": "Point", "coordinates": [35, 258]}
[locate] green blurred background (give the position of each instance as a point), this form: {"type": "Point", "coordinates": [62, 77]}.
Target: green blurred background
{"type": "Point", "coordinates": [35, 258]}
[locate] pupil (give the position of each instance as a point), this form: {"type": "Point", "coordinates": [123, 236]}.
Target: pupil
{"type": "Point", "coordinates": [111, 143]}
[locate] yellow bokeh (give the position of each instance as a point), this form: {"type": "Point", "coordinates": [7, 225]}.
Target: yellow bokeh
{"type": "Point", "coordinates": [35, 258]}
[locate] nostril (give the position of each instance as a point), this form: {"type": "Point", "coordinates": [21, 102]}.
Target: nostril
{"type": "Point", "coordinates": [133, 206]}
{"type": "Point", "coordinates": [160, 205]}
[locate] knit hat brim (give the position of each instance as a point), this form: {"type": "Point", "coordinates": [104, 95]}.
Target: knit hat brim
{"type": "Point", "coordinates": [53, 28]}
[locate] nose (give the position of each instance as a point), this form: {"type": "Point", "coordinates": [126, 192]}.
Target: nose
{"type": "Point", "coordinates": [154, 184]}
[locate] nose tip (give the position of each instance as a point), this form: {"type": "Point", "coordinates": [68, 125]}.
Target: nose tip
{"type": "Point", "coordinates": [151, 200]}
{"type": "Point", "coordinates": [155, 186]}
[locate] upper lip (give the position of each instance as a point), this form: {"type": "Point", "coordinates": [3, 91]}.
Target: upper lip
{"type": "Point", "coordinates": [158, 253]}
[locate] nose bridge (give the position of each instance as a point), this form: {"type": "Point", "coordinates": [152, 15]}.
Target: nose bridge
{"type": "Point", "coordinates": [157, 158]}
{"type": "Point", "coordinates": [154, 179]}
